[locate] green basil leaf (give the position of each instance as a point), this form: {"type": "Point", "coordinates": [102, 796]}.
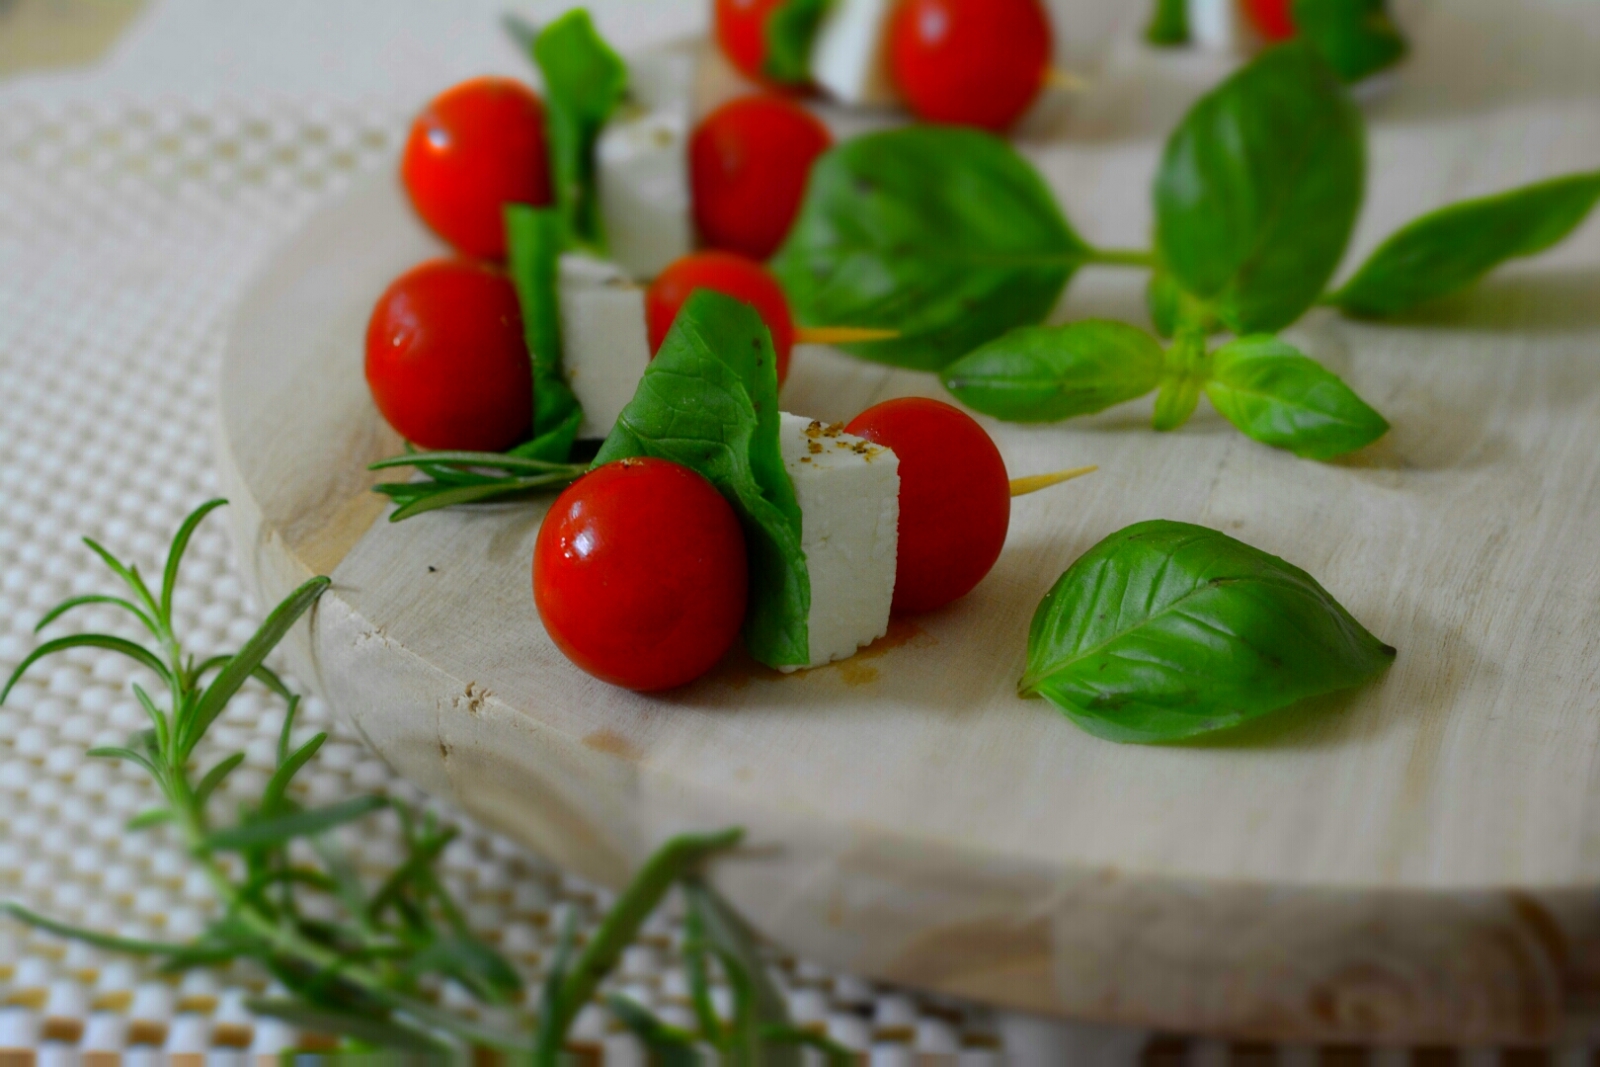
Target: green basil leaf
{"type": "Point", "coordinates": [1166, 630]}
{"type": "Point", "coordinates": [1356, 37]}
{"type": "Point", "coordinates": [1260, 187]}
{"type": "Point", "coordinates": [1281, 398]}
{"type": "Point", "coordinates": [1169, 23]}
{"type": "Point", "coordinates": [945, 234]}
{"type": "Point", "coordinates": [1452, 248]}
{"type": "Point", "coordinates": [790, 30]}
{"type": "Point", "coordinates": [533, 236]}
{"type": "Point", "coordinates": [709, 400]}
{"type": "Point", "coordinates": [584, 81]}
{"type": "Point", "coordinates": [1045, 373]}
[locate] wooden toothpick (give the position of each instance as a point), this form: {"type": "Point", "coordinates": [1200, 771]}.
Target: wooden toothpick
{"type": "Point", "coordinates": [1035, 482]}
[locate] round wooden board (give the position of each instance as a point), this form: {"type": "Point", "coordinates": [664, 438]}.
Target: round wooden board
{"type": "Point", "coordinates": [1416, 861]}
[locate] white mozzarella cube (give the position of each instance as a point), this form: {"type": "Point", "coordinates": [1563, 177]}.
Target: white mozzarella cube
{"type": "Point", "coordinates": [604, 345]}
{"type": "Point", "coordinates": [850, 55]}
{"type": "Point", "coordinates": [642, 166]}
{"type": "Point", "coordinates": [1218, 25]}
{"type": "Point", "coordinates": [849, 493]}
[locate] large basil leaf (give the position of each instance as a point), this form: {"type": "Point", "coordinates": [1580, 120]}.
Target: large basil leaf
{"type": "Point", "coordinates": [1166, 630]}
{"type": "Point", "coordinates": [709, 400]}
{"type": "Point", "coordinates": [790, 30]}
{"type": "Point", "coordinates": [1356, 37]}
{"type": "Point", "coordinates": [1279, 397]}
{"type": "Point", "coordinates": [534, 237]}
{"type": "Point", "coordinates": [1260, 187]}
{"type": "Point", "coordinates": [1045, 373]}
{"type": "Point", "coordinates": [1453, 247]}
{"type": "Point", "coordinates": [945, 234]}
{"type": "Point", "coordinates": [584, 81]}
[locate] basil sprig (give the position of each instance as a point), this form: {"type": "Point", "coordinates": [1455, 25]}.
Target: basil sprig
{"type": "Point", "coordinates": [1259, 190]}
{"type": "Point", "coordinates": [709, 401]}
{"type": "Point", "coordinates": [1261, 384]}
{"type": "Point", "coordinates": [534, 236]}
{"type": "Point", "coordinates": [1356, 37]}
{"type": "Point", "coordinates": [947, 235]}
{"type": "Point", "coordinates": [584, 81]}
{"type": "Point", "coordinates": [1169, 23]}
{"type": "Point", "coordinates": [1166, 630]}
{"type": "Point", "coordinates": [790, 30]}
{"type": "Point", "coordinates": [1450, 249]}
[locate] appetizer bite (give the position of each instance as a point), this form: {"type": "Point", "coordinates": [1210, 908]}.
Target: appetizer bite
{"type": "Point", "coordinates": [970, 62]}
{"type": "Point", "coordinates": [1358, 38]}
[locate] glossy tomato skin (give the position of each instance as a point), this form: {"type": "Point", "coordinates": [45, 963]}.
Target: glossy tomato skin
{"type": "Point", "coordinates": [639, 574]}
{"type": "Point", "coordinates": [970, 62]}
{"type": "Point", "coordinates": [955, 498]}
{"type": "Point", "coordinates": [749, 162]}
{"type": "Point", "coordinates": [475, 148]}
{"type": "Point", "coordinates": [733, 275]}
{"type": "Point", "coordinates": [1273, 19]}
{"type": "Point", "coordinates": [446, 360]}
{"type": "Point", "coordinates": [742, 33]}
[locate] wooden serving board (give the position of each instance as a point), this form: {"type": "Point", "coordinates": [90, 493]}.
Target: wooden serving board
{"type": "Point", "coordinates": [1419, 860]}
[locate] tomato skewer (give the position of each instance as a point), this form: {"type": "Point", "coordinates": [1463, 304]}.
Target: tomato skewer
{"type": "Point", "coordinates": [970, 62]}
{"type": "Point", "coordinates": [446, 359]}
{"type": "Point", "coordinates": [639, 574]}
{"type": "Point", "coordinates": [955, 498]}
{"type": "Point", "coordinates": [1273, 19]}
{"type": "Point", "coordinates": [749, 162]}
{"type": "Point", "coordinates": [475, 148]}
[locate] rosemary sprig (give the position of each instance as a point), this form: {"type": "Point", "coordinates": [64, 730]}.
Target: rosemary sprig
{"type": "Point", "coordinates": [453, 478]}
{"type": "Point", "coordinates": [366, 972]}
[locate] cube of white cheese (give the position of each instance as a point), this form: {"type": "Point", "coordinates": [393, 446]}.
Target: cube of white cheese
{"type": "Point", "coordinates": [850, 55]}
{"type": "Point", "coordinates": [849, 493]}
{"type": "Point", "coordinates": [1218, 25]}
{"type": "Point", "coordinates": [604, 345]}
{"type": "Point", "coordinates": [642, 166]}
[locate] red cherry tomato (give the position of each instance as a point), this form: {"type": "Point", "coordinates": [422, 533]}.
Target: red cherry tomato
{"type": "Point", "coordinates": [1273, 19]}
{"type": "Point", "coordinates": [970, 62]}
{"type": "Point", "coordinates": [474, 149]}
{"type": "Point", "coordinates": [748, 164]}
{"type": "Point", "coordinates": [639, 574]}
{"type": "Point", "coordinates": [742, 33]}
{"type": "Point", "coordinates": [446, 359]}
{"type": "Point", "coordinates": [738, 277]}
{"type": "Point", "coordinates": [955, 498]}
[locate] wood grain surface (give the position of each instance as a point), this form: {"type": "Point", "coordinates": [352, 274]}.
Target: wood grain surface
{"type": "Point", "coordinates": [1418, 861]}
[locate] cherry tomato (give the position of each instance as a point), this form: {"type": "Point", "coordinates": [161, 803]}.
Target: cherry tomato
{"type": "Point", "coordinates": [1273, 19]}
{"type": "Point", "coordinates": [446, 360]}
{"type": "Point", "coordinates": [474, 149]}
{"type": "Point", "coordinates": [970, 62]}
{"type": "Point", "coordinates": [955, 498]}
{"type": "Point", "coordinates": [748, 164]}
{"type": "Point", "coordinates": [738, 277]}
{"type": "Point", "coordinates": [639, 574]}
{"type": "Point", "coordinates": [742, 33]}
